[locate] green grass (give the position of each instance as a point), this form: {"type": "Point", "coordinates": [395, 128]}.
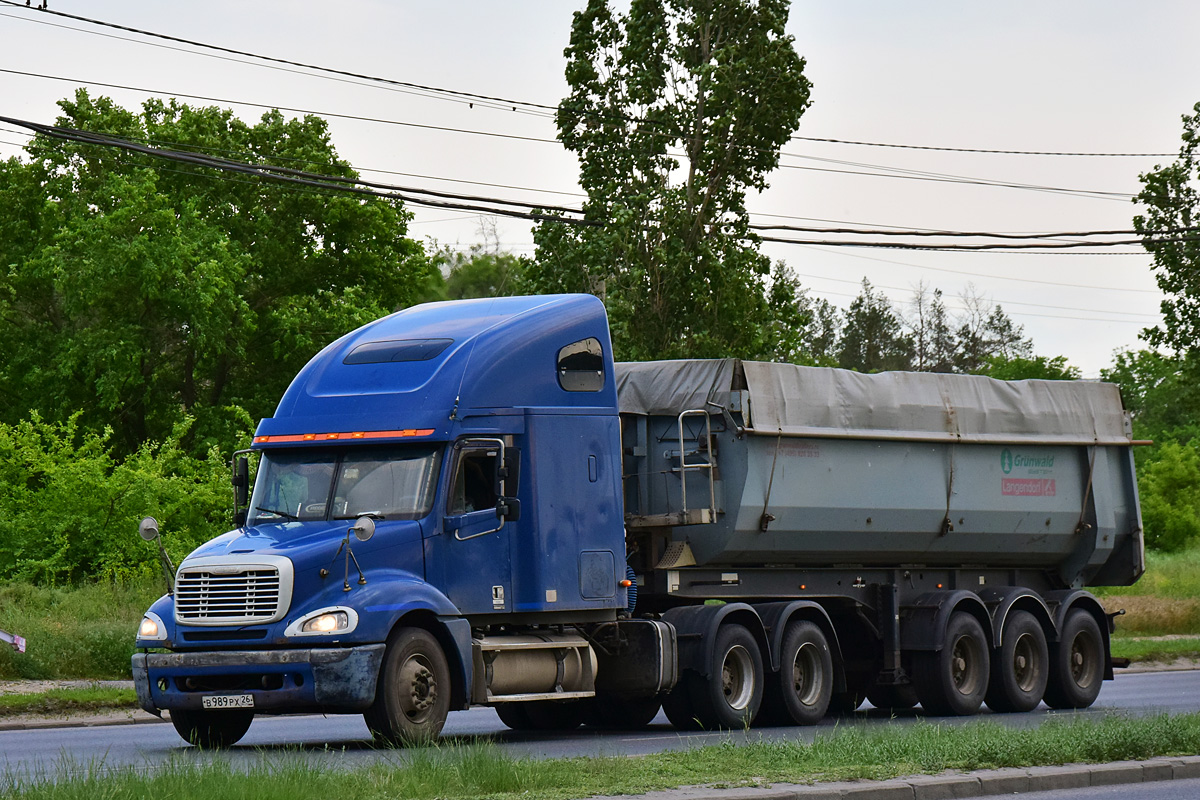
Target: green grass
{"type": "Point", "coordinates": [85, 632]}
{"type": "Point", "coordinates": [451, 771]}
{"type": "Point", "coordinates": [1156, 650]}
{"type": "Point", "coordinates": [66, 702]}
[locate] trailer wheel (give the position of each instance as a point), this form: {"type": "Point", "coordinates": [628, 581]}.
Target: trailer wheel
{"type": "Point", "coordinates": [732, 694]}
{"type": "Point", "coordinates": [617, 713]}
{"type": "Point", "coordinates": [893, 698]}
{"type": "Point", "coordinates": [413, 696]}
{"type": "Point", "coordinates": [211, 730]}
{"type": "Point", "coordinates": [800, 692]}
{"type": "Point", "coordinates": [1076, 663]}
{"type": "Point", "coordinates": [1021, 667]}
{"type": "Point", "coordinates": [952, 681]}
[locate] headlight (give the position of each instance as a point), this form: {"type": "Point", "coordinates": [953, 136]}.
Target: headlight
{"type": "Point", "coordinates": [327, 623]}
{"type": "Point", "coordinates": [152, 628]}
{"type": "Point", "coordinates": [324, 622]}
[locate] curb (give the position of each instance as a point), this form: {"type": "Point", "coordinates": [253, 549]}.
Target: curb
{"type": "Point", "coordinates": [954, 785]}
{"type": "Point", "coordinates": [131, 717]}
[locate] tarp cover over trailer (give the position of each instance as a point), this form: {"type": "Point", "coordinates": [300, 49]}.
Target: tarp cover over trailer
{"type": "Point", "coordinates": [820, 402]}
{"type": "Point", "coordinates": [892, 468]}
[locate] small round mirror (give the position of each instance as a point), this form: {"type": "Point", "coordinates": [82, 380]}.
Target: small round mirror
{"type": "Point", "coordinates": [148, 529]}
{"type": "Point", "coordinates": [364, 528]}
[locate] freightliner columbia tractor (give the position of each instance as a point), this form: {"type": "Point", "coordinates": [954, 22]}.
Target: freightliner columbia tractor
{"type": "Point", "coordinates": [469, 503]}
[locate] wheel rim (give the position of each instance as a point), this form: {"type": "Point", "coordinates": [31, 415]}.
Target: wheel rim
{"type": "Point", "coordinates": [1084, 663]}
{"type": "Point", "coordinates": [1025, 664]}
{"type": "Point", "coordinates": [965, 660]}
{"type": "Point", "coordinates": [737, 677]}
{"type": "Point", "coordinates": [807, 679]}
{"type": "Point", "coordinates": [418, 688]}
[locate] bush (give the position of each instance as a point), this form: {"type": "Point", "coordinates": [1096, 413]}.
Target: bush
{"type": "Point", "coordinates": [69, 510]}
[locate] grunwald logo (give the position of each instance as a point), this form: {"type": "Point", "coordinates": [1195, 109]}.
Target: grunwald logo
{"type": "Point", "coordinates": [1006, 461]}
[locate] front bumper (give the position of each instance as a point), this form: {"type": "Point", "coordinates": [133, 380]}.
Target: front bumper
{"type": "Point", "coordinates": [334, 679]}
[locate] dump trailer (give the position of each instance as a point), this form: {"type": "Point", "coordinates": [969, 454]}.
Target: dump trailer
{"type": "Point", "coordinates": [470, 503]}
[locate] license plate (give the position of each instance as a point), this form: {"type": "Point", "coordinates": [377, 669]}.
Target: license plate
{"type": "Point", "coordinates": [228, 701]}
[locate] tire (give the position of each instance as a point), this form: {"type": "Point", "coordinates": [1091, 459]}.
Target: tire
{"type": "Point", "coordinates": [952, 682]}
{"type": "Point", "coordinates": [731, 695]}
{"type": "Point", "coordinates": [893, 698]}
{"type": "Point", "coordinates": [616, 713]}
{"type": "Point", "coordinates": [1021, 667]}
{"type": "Point", "coordinates": [799, 693]}
{"type": "Point", "coordinates": [554, 715]}
{"type": "Point", "coordinates": [211, 730]}
{"type": "Point", "coordinates": [1076, 663]}
{"type": "Point", "coordinates": [413, 696]}
{"type": "Point", "coordinates": [678, 706]}
{"type": "Point", "coordinates": [514, 715]}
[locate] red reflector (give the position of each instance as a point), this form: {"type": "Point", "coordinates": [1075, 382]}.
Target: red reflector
{"type": "Point", "coordinates": [625, 584]}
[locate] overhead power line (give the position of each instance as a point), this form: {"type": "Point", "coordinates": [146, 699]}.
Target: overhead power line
{"type": "Point", "coordinates": [502, 207]}
{"type": "Point", "coordinates": [543, 107]}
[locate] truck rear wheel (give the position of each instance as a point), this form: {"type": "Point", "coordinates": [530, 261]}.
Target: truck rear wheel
{"type": "Point", "coordinates": [1021, 666]}
{"type": "Point", "coordinates": [732, 694]}
{"type": "Point", "coordinates": [413, 696]}
{"type": "Point", "coordinates": [800, 692]}
{"type": "Point", "coordinates": [952, 681]}
{"type": "Point", "coordinates": [211, 730]}
{"type": "Point", "coordinates": [617, 713]}
{"type": "Point", "coordinates": [1076, 663]}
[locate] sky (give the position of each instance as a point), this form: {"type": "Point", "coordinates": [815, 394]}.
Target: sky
{"type": "Point", "coordinates": [1071, 76]}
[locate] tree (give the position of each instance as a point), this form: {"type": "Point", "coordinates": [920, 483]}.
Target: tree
{"type": "Point", "coordinates": [1160, 391]}
{"type": "Point", "coordinates": [873, 339]}
{"type": "Point", "coordinates": [933, 339]}
{"type": "Point", "coordinates": [1034, 367]}
{"type": "Point", "coordinates": [146, 294]}
{"type": "Point", "coordinates": [1171, 196]}
{"type": "Point", "coordinates": [984, 333]}
{"type": "Point", "coordinates": [676, 110]}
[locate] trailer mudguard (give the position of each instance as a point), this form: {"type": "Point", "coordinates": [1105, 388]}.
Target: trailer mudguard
{"type": "Point", "coordinates": [1006, 599]}
{"type": "Point", "coordinates": [923, 622]}
{"type": "Point", "coordinates": [696, 631]}
{"type": "Point", "coordinates": [1063, 601]}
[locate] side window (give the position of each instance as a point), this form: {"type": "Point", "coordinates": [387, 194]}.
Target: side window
{"type": "Point", "coordinates": [581, 366]}
{"type": "Point", "coordinates": [473, 486]}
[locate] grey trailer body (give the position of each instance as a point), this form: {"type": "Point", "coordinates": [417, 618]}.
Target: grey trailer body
{"type": "Point", "coordinates": [885, 504]}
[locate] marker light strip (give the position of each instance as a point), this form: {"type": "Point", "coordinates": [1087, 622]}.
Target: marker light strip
{"type": "Point", "coordinates": [341, 436]}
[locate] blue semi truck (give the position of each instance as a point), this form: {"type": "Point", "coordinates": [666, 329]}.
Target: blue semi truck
{"type": "Point", "coordinates": [469, 503]}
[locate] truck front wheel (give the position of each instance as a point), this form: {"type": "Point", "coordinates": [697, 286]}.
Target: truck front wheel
{"type": "Point", "coordinates": [211, 730]}
{"type": "Point", "coordinates": [413, 695]}
{"type": "Point", "coordinates": [1076, 663]}
{"type": "Point", "coordinates": [952, 681]}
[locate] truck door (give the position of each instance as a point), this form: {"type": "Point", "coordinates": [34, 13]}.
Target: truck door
{"type": "Point", "coordinates": [476, 538]}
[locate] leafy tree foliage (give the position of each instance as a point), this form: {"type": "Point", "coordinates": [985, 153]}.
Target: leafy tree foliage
{"type": "Point", "coordinates": [142, 294]}
{"type": "Point", "coordinates": [676, 110]}
{"type": "Point", "coordinates": [874, 338]}
{"type": "Point", "coordinates": [1170, 503]}
{"type": "Point", "coordinates": [1033, 368]}
{"type": "Point", "coordinates": [69, 508]}
{"type": "Point", "coordinates": [934, 343]}
{"type": "Point", "coordinates": [1171, 195]}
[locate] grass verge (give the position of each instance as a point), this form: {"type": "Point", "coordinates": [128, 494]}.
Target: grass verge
{"type": "Point", "coordinates": [65, 702]}
{"type": "Point", "coordinates": [1150, 651]}
{"type": "Point", "coordinates": [82, 632]}
{"type": "Point", "coordinates": [451, 771]}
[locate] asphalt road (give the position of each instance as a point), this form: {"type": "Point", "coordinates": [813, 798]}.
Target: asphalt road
{"type": "Point", "coordinates": [343, 741]}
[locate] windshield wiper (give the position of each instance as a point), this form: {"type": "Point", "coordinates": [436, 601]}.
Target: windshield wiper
{"type": "Point", "coordinates": [277, 513]}
{"type": "Point", "coordinates": [371, 514]}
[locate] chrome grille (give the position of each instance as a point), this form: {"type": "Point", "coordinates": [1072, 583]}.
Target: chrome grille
{"type": "Point", "coordinates": [232, 594]}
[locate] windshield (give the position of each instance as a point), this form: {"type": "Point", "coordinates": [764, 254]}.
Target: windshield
{"type": "Point", "coordinates": [387, 482]}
